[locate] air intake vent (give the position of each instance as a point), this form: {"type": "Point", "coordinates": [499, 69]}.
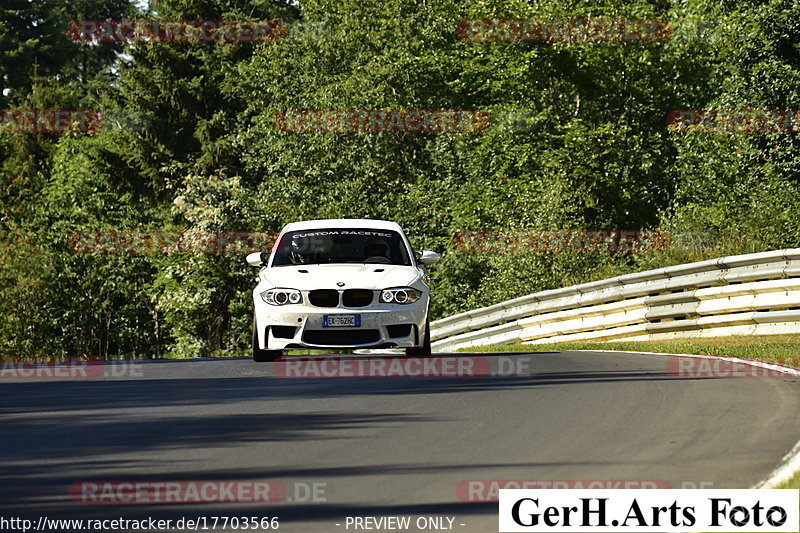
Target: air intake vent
{"type": "Point", "coordinates": [352, 337]}
{"type": "Point", "coordinates": [283, 332]}
{"type": "Point", "coordinates": [399, 330]}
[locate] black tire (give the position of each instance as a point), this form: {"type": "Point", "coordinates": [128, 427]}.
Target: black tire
{"type": "Point", "coordinates": [259, 355]}
{"type": "Point", "coordinates": [425, 349]}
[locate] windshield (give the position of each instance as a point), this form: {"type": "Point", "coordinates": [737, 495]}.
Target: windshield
{"type": "Point", "coordinates": [341, 245]}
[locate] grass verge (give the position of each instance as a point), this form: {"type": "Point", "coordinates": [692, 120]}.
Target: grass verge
{"type": "Point", "coordinates": [793, 483]}
{"type": "Point", "coordinates": [778, 349]}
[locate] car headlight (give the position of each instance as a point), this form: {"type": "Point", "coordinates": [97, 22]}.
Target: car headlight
{"type": "Point", "coordinates": [282, 296]}
{"type": "Point", "coordinates": [400, 295]}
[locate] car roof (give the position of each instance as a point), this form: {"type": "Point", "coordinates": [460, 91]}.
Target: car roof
{"type": "Point", "coordinates": [343, 223]}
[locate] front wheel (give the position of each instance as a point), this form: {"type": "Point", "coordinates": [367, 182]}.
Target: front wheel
{"type": "Point", "coordinates": [259, 355]}
{"type": "Point", "coordinates": [425, 349]}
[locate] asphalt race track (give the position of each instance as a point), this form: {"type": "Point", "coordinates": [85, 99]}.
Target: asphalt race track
{"type": "Point", "coordinates": [384, 446]}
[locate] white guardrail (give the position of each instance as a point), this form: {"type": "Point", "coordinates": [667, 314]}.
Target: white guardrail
{"type": "Point", "coordinates": [753, 294]}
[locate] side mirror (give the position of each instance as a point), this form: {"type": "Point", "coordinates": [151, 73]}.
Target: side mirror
{"type": "Point", "coordinates": [426, 257]}
{"type": "Point", "coordinates": [258, 259]}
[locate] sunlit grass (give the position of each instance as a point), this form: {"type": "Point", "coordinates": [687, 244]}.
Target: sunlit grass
{"type": "Point", "coordinates": [778, 349]}
{"type": "Point", "coordinates": [793, 483]}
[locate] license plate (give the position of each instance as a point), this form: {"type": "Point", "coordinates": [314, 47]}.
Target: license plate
{"type": "Point", "coordinates": [341, 321]}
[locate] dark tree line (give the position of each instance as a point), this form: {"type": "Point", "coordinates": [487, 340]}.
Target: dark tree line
{"type": "Point", "coordinates": [578, 139]}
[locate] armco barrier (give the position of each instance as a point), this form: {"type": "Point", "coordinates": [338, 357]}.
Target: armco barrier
{"type": "Point", "coordinates": [753, 294]}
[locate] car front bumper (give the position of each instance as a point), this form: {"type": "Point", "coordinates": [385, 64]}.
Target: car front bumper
{"type": "Point", "coordinates": [301, 326]}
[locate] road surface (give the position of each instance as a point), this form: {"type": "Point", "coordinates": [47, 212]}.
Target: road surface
{"type": "Point", "coordinates": [382, 446]}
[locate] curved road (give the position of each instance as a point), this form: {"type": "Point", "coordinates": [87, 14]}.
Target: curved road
{"type": "Point", "coordinates": [383, 446]}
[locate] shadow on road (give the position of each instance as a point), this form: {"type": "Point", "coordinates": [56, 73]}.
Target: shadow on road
{"type": "Point", "coordinates": [156, 390]}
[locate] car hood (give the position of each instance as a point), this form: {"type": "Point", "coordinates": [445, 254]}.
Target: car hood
{"type": "Point", "coordinates": [354, 276]}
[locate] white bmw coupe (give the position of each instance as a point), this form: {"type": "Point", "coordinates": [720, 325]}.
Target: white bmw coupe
{"type": "Point", "coordinates": [341, 283]}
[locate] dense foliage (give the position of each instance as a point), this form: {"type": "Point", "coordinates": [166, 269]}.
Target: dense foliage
{"type": "Point", "coordinates": [578, 140]}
